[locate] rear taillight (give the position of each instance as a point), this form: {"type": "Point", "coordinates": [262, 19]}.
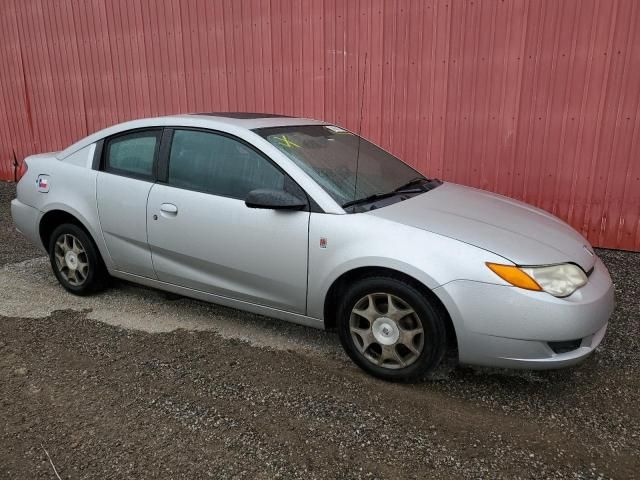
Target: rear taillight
{"type": "Point", "coordinates": [23, 170]}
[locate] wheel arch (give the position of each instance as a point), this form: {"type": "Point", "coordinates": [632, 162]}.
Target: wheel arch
{"type": "Point", "coordinates": [56, 216]}
{"type": "Point", "coordinates": [355, 274]}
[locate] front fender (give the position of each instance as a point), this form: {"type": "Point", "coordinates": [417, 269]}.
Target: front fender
{"type": "Point", "coordinates": [341, 243]}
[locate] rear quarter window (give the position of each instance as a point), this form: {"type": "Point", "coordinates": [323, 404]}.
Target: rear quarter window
{"type": "Point", "coordinates": [81, 158]}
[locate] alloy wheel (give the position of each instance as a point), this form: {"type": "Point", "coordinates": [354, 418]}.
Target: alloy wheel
{"type": "Point", "coordinates": [386, 330]}
{"type": "Point", "coordinates": [71, 259]}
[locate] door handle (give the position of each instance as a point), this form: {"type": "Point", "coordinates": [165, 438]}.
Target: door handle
{"type": "Point", "coordinates": [169, 208]}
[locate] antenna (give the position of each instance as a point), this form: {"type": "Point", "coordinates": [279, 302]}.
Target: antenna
{"type": "Point", "coordinates": [15, 166]}
{"type": "Point", "coordinates": [364, 81]}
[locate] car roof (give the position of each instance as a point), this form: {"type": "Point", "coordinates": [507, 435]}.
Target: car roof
{"type": "Point", "coordinates": [232, 122]}
{"type": "Point", "coordinates": [243, 115]}
{"type": "Point", "coordinates": [247, 120]}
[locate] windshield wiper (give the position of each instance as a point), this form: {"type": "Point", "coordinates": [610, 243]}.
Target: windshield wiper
{"type": "Point", "coordinates": [408, 187]}
{"type": "Point", "coordinates": [370, 198]}
{"type": "Point", "coordinates": [379, 196]}
{"type": "Point", "coordinates": [411, 183]}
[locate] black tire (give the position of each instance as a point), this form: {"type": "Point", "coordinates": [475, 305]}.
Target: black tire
{"type": "Point", "coordinates": [425, 312]}
{"type": "Point", "coordinates": [95, 277]}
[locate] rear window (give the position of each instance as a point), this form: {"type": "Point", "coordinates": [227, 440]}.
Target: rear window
{"type": "Point", "coordinates": [133, 154]}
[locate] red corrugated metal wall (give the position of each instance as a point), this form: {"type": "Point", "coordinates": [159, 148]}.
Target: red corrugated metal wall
{"type": "Point", "coordinates": [537, 99]}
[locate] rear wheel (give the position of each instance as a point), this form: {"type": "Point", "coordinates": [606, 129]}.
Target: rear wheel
{"type": "Point", "coordinates": [390, 329]}
{"type": "Point", "coordinates": [76, 261]}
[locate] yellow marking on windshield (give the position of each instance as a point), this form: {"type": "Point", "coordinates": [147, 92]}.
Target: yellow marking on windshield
{"type": "Point", "coordinates": [285, 142]}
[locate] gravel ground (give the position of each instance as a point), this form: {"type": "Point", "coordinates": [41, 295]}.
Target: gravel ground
{"type": "Point", "coordinates": [134, 383]}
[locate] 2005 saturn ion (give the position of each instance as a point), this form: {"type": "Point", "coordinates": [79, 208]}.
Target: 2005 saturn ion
{"type": "Point", "coordinates": [304, 221]}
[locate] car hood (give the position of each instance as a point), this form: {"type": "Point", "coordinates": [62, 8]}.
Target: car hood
{"type": "Point", "coordinates": [514, 230]}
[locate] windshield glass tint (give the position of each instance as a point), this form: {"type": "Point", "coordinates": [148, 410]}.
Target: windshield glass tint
{"type": "Point", "coordinates": [328, 155]}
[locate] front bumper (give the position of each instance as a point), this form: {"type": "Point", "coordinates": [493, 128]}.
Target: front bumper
{"type": "Point", "coordinates": [504, 326]}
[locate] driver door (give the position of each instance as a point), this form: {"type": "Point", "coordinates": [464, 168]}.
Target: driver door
{"type": "Point", "coordinates": [202, 235]}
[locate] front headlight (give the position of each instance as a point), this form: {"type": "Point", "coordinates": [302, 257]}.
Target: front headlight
{"type": "Point", "coordinates": [558, 280]}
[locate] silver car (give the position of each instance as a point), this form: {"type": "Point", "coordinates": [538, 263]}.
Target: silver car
{"type": "Point", "coordinates": [305, 221]}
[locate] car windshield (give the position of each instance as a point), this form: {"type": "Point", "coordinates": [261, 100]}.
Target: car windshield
{"type": "Point", "coordinates": [329, 155]}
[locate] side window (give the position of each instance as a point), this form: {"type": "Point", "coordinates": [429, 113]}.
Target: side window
{"type": "Point", "coordinates": [220, 165]}
{"type": "Point", "coordinates": [132, 154]}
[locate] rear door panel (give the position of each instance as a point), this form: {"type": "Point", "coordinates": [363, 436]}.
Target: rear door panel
{"type": "Point", "coordinates": [128, 162]}
{"type": "Point", "coordinates": [122, 209]}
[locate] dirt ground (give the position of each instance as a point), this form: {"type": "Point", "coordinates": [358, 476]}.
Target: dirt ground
{"type": "Point", "coordinates": [134, 383]}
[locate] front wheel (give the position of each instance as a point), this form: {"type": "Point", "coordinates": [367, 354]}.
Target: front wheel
{"type": "Point", "coordinates": [76, 261]}
{"type": "Point", "coordinates": [390, 329]}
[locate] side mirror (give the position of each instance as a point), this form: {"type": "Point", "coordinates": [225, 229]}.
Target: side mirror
{"type": "Point", "coordinates": [273, 200]}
